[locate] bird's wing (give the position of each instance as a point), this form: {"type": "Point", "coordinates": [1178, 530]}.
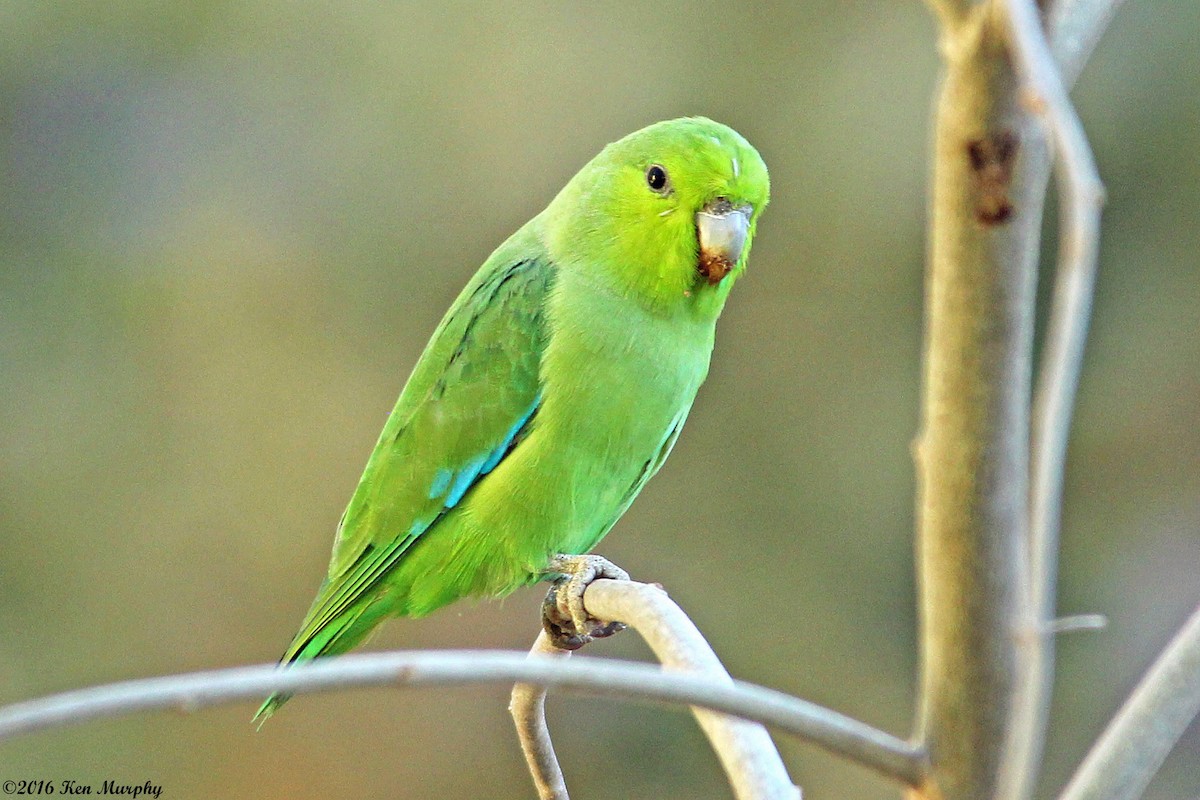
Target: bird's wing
{"type": "Point", "coordinates": [472, 396]}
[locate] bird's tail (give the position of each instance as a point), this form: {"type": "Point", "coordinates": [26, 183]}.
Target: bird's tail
{"type": "Point", "coordinates": [337, 636]}
{"type": "Point", "coordinates": [268, 708]}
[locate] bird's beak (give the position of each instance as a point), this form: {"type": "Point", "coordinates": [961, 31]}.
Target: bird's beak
{"type": "Point", "coordinates": [721, 229]}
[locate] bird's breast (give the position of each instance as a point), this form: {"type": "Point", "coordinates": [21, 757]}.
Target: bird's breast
{"type": "Point", "coordinates": [617, 381]}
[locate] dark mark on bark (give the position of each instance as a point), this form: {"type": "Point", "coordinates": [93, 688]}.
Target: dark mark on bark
{"type": "Point", "coordinates": [992, 161]}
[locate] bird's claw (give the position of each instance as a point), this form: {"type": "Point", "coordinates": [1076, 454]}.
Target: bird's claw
{"type": "Point", "coordinates": [564, 617]}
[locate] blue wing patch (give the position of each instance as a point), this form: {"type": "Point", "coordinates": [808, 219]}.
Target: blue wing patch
{"type": "Point", "coordinates": [465, 478]}
{"type": "Point", "coordinates": [441, 482]}
{"type": "Point", "coordinates": [454, 484]}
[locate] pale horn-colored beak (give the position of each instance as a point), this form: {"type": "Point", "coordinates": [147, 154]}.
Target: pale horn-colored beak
{"type": "Point", "coordinates": [721, 229]}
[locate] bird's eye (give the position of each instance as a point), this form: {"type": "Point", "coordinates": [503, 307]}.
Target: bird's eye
{"type": "Point", "coordinates": [656, 178]}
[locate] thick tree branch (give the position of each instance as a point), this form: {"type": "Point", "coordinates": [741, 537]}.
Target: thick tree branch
{"type": "Point", "coordinates": [989, 178]}
{"type": "Point", "coordinates": [1133, 747]}
{"type": "Point", "coordinates": [994, 643]}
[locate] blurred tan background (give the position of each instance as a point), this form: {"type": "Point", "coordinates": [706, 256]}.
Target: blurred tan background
{"type": "Point", "coordinates": [227, 229]}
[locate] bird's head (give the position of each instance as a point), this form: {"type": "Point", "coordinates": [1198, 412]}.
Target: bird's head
{"type": "Point", "coordinates": [666, 214]}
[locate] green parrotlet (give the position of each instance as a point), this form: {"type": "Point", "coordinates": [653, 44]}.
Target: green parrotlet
{"type": "Point", "coordinates": [553, 388]}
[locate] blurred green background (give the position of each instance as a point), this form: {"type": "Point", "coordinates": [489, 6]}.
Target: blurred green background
{"type": "Point", "coordinates": [227, 229]}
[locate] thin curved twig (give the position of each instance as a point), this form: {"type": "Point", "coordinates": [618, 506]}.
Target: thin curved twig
{"type": "Point", "coordinates": [1075, 29]}
{"type": "Point", "coordinates": [528, 710]}
{"type": "Point", "coordinates": [744, 748]}
{"type": "Point", "coordinates": [189, 692]}
{"type": "Point", "coordinates": [1082, 195]}
{"type": "Point", "coordinates": [1140, 736]}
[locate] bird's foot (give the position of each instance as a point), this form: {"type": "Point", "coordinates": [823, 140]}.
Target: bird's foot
{"type": "Point", "coordinates": [564, 618]}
